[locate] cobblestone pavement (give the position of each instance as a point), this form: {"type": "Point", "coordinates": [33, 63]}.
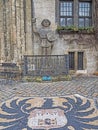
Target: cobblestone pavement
{"type": "Point", "coordinates": [85, 86]}
{"type": "Point", "coordinates": [64, 105]}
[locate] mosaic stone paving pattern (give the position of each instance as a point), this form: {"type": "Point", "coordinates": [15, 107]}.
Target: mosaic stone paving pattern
{"type": "Point", "coordinates": [72, 112]}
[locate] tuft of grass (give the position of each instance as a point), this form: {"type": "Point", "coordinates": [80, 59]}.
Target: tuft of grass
{"type": "Point", "coordinates": [38, 79]}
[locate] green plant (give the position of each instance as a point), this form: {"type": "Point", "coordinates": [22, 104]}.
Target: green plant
{"type": "Point", "coordinates": [81, 28]}
{"type": "Point", "coordinates": [72, 28]}
{"type": "Point", "coordinates": [55, 79]}
{"type": "Point", "coordinates": [87, 29]}
{"type": "Point", "coordinates": [62, 78]}
{"type": "Point", "coordinates": [60, 28]}
{"type": "Point", "coordinates": [68, 78]}
{"type": "Point", "coordinates": [29, 80]}
{"type": "Point", "coordinates": [76, 29]}
{"type": "Point", "coordinates": [38, 79]}
{"type": "Point", "coordinates": [90, 29]}
{"type": "Point", "coordinates": [26, 79]}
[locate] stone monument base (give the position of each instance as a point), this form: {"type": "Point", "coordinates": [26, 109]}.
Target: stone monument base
{"type": "Point", "coordinates": [10, 71]}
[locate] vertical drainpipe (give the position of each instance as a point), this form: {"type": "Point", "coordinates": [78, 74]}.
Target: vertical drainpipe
{"type": "Point", "coordinates": [5, 30]}
{"type": "Point", "coordinates": [57, 7]}
{"type": "Point", "coordinates": [32, 16]}
{"type": "Point", "coordinates": [24, 8]}
{"type": "Point", "coordinates": [96, 27]}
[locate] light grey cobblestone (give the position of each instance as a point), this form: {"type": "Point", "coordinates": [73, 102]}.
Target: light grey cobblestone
{"type": "Point", "coordinates": [85, 86]}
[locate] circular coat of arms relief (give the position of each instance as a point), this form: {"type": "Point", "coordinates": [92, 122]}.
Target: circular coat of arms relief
{"type": "Point", "coordinates": [51, 36]}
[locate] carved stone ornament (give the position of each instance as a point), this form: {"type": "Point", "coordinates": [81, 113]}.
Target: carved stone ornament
{"type": "Point", "coordinates": [51, 36]}
{"type": "Point", "coordinates": [46, 23]}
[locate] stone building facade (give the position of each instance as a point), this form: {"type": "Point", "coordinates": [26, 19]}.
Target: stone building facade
{"type": "Point", "coordinates": [28, 26]}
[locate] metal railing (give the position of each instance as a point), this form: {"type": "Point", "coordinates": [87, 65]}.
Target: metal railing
{"type": "Point", "coordinates": [40, 65]}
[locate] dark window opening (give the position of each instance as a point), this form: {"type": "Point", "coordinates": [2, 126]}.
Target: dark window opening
{"type": "Point", "coordinates": [71, 60]}
{"type": "Point", "coordinates": [80, 60]}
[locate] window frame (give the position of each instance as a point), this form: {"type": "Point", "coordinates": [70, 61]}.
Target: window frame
{"type": "Point", "coordinates": [68, 15]}
{"type": "Point", "coordinates": [84, 17]}
{"type": "Point", "coordinates": [75, 12]}
{"type": "Point", "coordinates": [80, 60]}
{"type": "Point", "coordinates": [71, 61]}
{"type": "Point", "coordinates": [74, 64]}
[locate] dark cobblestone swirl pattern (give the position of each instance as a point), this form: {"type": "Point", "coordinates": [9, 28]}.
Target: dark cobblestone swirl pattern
{"type": "Point", "coordinates": [80, 112]}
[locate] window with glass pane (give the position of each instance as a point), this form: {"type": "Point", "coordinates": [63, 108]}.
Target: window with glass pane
{"type": "Point", "coordinates": [80, 60]}
{"type": "Point", "coordinates": [85, 13]}
{"type": "Point", "coordinates": [71, 60]}
{"type": "Point", "coordinates": [66, 12]}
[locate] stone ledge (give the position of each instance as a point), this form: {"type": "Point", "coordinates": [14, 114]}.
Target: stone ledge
{"type": "Point", "coordinates": [10, 71]}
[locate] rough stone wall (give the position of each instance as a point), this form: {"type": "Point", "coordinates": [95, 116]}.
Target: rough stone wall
{"type": "Point", "coordinates": [17, 38]}
{"type": "Point", "coordinates": [44, 9]}
{"type": "Point", "coordinates": [86, 44]}
{"type": "Point", "coordinates": [65, 43]}
{"type": "Point", "coordinates": [15, 30]}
